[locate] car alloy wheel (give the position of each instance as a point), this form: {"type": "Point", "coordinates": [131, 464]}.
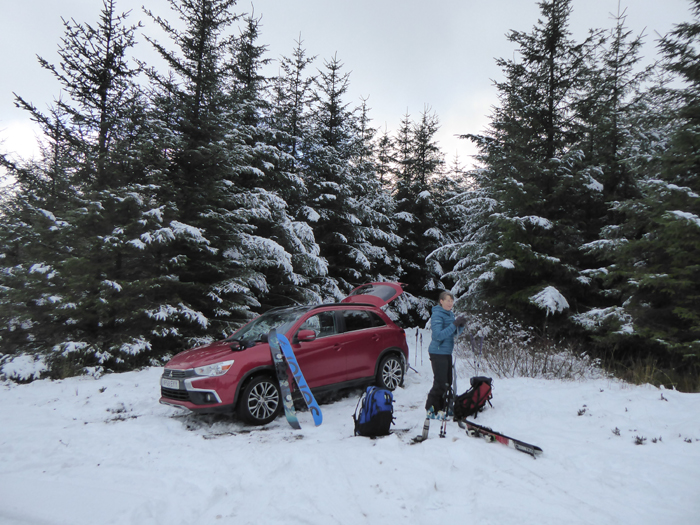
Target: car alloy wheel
{"type": "Point", "coordinates": [390, 373]}
{"type": "Point", "coordinates": [261, 401]}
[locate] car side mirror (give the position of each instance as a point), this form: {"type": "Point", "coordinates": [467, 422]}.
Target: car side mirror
{"type": "Point", "coordinates": [306, 336]}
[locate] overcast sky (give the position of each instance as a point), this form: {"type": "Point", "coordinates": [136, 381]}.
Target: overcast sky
{"type": "Point", "coordinates": [402, 54]}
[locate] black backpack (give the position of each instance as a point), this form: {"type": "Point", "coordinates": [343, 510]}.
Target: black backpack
{"type": "Point", "coordinates": [473, 400]}
{"type": "Point", "coordinates": [376, 412]}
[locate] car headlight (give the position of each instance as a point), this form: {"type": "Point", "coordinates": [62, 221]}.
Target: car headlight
{"type": "Point", "coordinates": [217, 369]}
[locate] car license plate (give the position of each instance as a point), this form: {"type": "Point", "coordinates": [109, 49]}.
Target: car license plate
{"type": "Point", "coordinates": [170, 383]}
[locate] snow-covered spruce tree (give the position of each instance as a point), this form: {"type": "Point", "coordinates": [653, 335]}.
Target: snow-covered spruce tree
{"type": "Point", "coordinates": [331, 201]}
{"type": "Point", "coordinates": [205, 247]}
{"type": "Point", "coordinates": [455, 211]}
{"type": "Point", "coordinates": [75, 308]}
{"type": "Point", "coordinates": [658, 263]}
{"type": "Point", "coordinates": [285, 250]}
{"type": "Point", "coordinates": [32, 243]}
{"type": "Point", "coordinates": [535, 178]}
{"type": "Point", "coordinates": [607, 106]}
{"type": "Point", "coordinates": [402, 156]}
{"type": "Point", "coordinates": [292, 97]}
{"type": "Point", "coordinates": [374, 204]}
{"type": "Point", "coordinates": [621, 130]}
{"type": "Point", "coordinates": [419, 194]}
{"type": "Point", "coordinates": [385, 158]}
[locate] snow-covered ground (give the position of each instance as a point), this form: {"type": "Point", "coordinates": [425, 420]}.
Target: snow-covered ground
{"type": "Point", "coordinates": [103, 451]}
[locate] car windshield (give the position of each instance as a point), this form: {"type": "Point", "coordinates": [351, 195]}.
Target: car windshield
{"type": "Point", "coordinates": [281, 320]}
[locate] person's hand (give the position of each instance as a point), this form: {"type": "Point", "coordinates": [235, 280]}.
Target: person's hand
{"type": "Point", "coordinates": [460, 321]}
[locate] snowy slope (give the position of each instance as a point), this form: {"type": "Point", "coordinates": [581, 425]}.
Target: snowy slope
{"type": "Point", "coordinates": [103, 451]}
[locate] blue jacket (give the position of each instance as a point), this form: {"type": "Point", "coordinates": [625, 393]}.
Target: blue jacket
{"type": "Point", "coordinates": [444, 330]}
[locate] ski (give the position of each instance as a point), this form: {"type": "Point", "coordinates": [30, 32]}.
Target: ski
{"type": "Point", "coordinates": [475, 430]}
{"type": "Point", "coordinates": [309, 398]}
{"type": "Point", "coordinates": [283, 379]}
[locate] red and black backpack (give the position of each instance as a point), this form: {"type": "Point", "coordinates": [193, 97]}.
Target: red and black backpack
{"type": "Point", "coordinates": [473, 400]}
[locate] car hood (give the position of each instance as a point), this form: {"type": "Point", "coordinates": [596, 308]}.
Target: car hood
{"type": "Point", "coordinates": [203, 355]}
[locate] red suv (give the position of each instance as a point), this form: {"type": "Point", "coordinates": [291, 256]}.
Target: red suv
{"type": "Point", "coordinates": [339, 345]}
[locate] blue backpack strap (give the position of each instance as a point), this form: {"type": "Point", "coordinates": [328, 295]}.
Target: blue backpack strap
{"type": "Point", "coordinates": [360, 401]}
{"type": "Point", "coordinates": [371, 405]}
{"type": "Point", "coordinates": [363, 404]}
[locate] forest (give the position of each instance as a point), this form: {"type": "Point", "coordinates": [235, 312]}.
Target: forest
{"type": "Point", "coordinates": [171, 205]}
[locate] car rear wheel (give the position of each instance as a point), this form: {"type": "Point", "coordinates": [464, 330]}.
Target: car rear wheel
{"type": "Point", "coordinates": [390, 373]}
{"type": "Point", "coordinates": [260, 402]}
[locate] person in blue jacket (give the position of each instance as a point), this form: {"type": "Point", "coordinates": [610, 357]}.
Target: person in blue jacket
{"type": "Point", "coordinates": [444, 327]}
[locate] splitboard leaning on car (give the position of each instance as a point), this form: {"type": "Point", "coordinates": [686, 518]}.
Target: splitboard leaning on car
{"type": "Point", "coordinates": [339, 345]}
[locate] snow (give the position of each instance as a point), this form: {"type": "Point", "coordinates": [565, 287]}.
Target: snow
{"type": "Point", "coordinates": [156, 213]}
{"type": "Point", "coordinates": [136, 346]}
{"type": "Point", "coordinates": [596, 317]}
{"type": "Point", "coordinates": [433, 233]}
{"type": "Point", "coordinates": [103, 451]}
{"type": "Point", "coordinates": [541, 222]}
{"type": "Point", "coordinates": [111, 284]}
{"type": "Point", "coordinates": [166, 311]}
{"type": "Point", "coordinates": [486, 276]}
{"type": "Point", "coordinates": [405, 216]}
{"type": "Point", "coordinates": [594, 185]}
{"type": "Point", "coordinates": [506, 263]}
{"type": "Point", "coordinates": [550, 299]}
{"type": "Point", "coordinates": [50, 216]}
{"type": "Point", "coordinates": [23, 367]}
{"type": "Point", "coordinates": [691, 217]}
{"type": "Point", "coordinates": [310, 214]}
{"type": "Point", "coordinates": [40, 268]}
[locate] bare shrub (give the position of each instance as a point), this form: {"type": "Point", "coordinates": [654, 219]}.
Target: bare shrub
{"type": "Point", "coordinates": [511, 350]}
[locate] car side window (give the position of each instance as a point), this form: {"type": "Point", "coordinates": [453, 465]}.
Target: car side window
{"type": "Point", "coordinates": [356, 320]}
{"type": "Point", "coordinates": [378, 321]}
{"type": "Point", "coordinates": [323, 323]}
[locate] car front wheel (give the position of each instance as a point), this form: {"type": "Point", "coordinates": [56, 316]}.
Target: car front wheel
{"type": "Point", "coordinates": [390, 373]}
{"type": "Point", "coordinates": [260, 402]}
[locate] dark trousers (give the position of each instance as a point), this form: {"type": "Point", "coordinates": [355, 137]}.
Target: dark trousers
{"type": "Point", "coordinates": [442, 381]}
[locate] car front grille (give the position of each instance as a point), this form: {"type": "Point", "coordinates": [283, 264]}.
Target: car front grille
{"type": "Point", "coordinates": [174, 374]}
{"type": "Point", "coordinates": [179, 395]}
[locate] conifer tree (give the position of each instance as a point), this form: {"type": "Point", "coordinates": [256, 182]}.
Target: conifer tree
{"type": "Point", "coordinates": [534, 178]}
{"type": "Point", "coordinates": [453, 214]}
{"type": "Point", "coordinates": [292, 99]}
{"type": "Point", "coordinates": [385, 158]}
{"type": "Point", "coordinates": [403, 155]}
{"type": "Point", "coordinates": [375, 207]}
{"type": "Point", "coordinates": [290, 259]}
{"type": "Point", "coordinates": [206, 242]}
{"type": "Point", "coordinates": [618, 129]}
{"type": "Point", "coordinates": [95, 74]}
{"type": "Point", "coordinates": [608, 104]}
{"type": "Point", "coordinates": [72, 293]}
{"type": "Point", "coordinates": [657, 265]}
{"type": "Point", "coordinates": [330, 200]}
{"type": "Point", "coordinates": [419, 197]}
